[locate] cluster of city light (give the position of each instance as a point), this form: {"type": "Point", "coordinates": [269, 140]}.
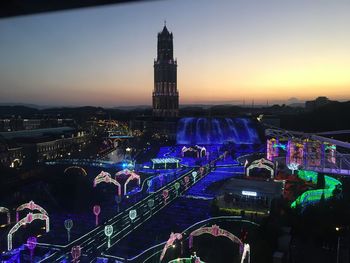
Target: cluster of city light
{"type": "Point", "coordinates": [314, 196]}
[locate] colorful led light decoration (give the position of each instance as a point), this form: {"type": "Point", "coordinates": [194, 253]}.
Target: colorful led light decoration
{"type": "Point", "coordinates": [131, 176]}
{"type": "Point", "coordinates": [295, 152]}
{"type": "Point", "coordinates": [313, 152]}
{"type": "Point", "coordinates": [173, 237]}
{"type": "Point", "coordinates": [199, 151]}
{"type": "Point", "coordinates": [194, 175]}
{"type": "Point", "coordinates": [32, 207]}
{"type": "Point", "coordinates": [215, 231]}
{"type": "Point", "coordinates": [186, 180]}
{"type": "Point", "coordinates": [132, 215]}
{"type": "Point", "coordinates": [165, 195]}
{"type": "Point", "coordinates": [24, 221]}
{"type": "Point", "coordinates": [108, 232]}
{"type": "Point", "coordinates": [315, 196]}
{"type": "Point", "coordinates": [261, 164]}
{"type": "Point", "coordinates": [76, 253]}
{"type": "Point", "coordinates": [272, 149]}
{"type": "Point", "coordinates": [293, 167]}
{"type": "Point", "coordinates": [177, 187]}
{"type": "Point", "coordinates": [330, 153]}
{"type": "Point", "coordinates": [97, 210]}
{"type": "Point", "coordinates": [68, 224]}
{"type": "Point", "coordinates": [105, 177]}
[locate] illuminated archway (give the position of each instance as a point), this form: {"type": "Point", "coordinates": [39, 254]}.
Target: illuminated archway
{"type": "Point", "coordinates": [27, 220]}
{"type": "Point", "coordinates": [198, 150]}
{"type": "Point", "coordinates": [173, 237]}
{"type": "Point", "coordinates": [7, 211]}
{"type": "Point", "coordinates": [132, 176]}
{"type": "Point", "coordinates": [216, 231]}
{"type": "Point", "coordinates": [261, 164]}
{"type": "Point", "coordinates": [105, 177]}
{"type": "Point", "coordinates": [31, 206]}
{"type": "Point", "coordinates": [76, 167]}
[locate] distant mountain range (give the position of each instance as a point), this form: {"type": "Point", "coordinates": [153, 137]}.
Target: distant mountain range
{"type": "Point", "coordinates": [139, 107]}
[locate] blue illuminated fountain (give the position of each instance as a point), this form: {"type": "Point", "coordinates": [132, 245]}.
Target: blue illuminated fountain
{"type": "Point", "coordinates": [206, 131]}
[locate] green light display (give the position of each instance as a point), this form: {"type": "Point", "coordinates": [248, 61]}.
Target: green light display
{"type": "Point", "coordinates": [314, 196]}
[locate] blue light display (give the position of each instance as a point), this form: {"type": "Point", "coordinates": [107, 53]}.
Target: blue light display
{"type": "Point", "coordinates": [205, 131]}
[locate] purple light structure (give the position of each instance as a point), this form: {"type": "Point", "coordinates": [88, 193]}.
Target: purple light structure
{"type": "Point", "coordinates": [31, 244]}
{"type": "Point", "coordinates": [97, 210]}
{"type": "Point", "coordinates": [165, 195]}
{"type": "Point", "coordinates": [173, 237]}
{"type": "Point", "coordinates": [68, 224]}
{"type": "Point", "coordinates": [272, 150]}
{"type": "Point", "coordinates": [295, 152]}
{"type": "Point", "coordinates": [76, 253]}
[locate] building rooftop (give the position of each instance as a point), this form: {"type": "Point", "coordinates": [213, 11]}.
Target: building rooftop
{"type": "Point", "coordinates": [35, 133]}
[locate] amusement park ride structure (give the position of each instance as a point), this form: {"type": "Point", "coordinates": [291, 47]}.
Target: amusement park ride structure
{"type": "Point", "coordinates": [326, 159]}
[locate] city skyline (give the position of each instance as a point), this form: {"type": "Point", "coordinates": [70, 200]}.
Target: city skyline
{"type": "Point", "coordinates": [228, 51]}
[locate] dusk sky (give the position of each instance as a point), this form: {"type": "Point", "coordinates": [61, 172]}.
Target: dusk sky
{"type": "Point", "coordinates": [230, 50]}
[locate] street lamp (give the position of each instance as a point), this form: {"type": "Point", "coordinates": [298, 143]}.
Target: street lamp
{"type": "Point", "coordinates": [338, 245]}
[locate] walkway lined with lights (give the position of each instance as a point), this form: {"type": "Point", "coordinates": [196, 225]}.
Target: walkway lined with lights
{"type": "Point", "coordinates": [176, 217]}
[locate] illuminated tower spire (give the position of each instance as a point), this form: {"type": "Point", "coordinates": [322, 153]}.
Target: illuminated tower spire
{"type": "Point", "coordinates": [165, 94]}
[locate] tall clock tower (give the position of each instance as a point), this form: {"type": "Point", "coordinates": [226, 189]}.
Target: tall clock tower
{"type": "Point", "coordinates": [165, 94]}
